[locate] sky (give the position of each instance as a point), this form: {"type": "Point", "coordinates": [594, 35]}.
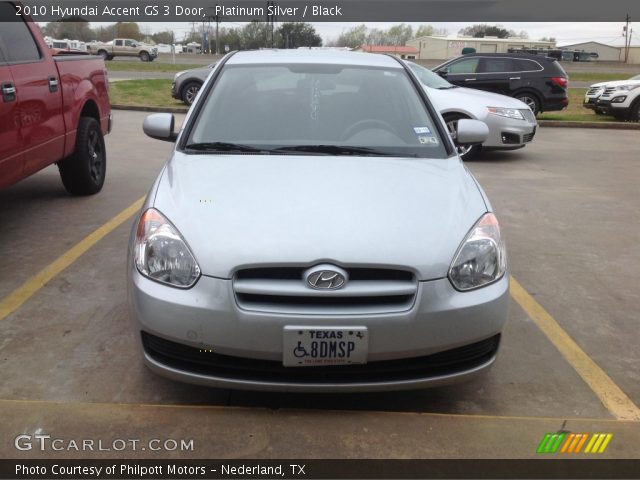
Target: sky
{"type": "Point", "coordinates": [565, 32]}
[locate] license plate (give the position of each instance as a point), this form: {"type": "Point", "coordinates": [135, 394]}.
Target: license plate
{"type": "Point", "coordinates": [322, 346]}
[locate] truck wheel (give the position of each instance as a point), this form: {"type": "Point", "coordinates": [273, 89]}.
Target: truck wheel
{"type": "Point", "coordinates": [84, 171]}
{"type": "Point", "coordinates": [144, 56]}
{"type": "Point", "coordinates": [189, 92]}
{"type": "Point", "coordinates": [104, 54]}
{"type": "Point", "coordinates": [467, 152]}
{"type": "Point", "coordinates": [110, 57]}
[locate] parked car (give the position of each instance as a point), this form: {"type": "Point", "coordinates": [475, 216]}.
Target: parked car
{"type": "Point", "coordinates": [597, 89]}
{"type": "Point", "coordinates": [621, 99]}
{"type": "Point", "coordinates": [511, 122]}
{"type": "Point", "coordinates": [538, 81]}
{"type": "Point", "coordinates": [54, 109]}
{"type": "Point", "coordinates": [187, 83]}
{"type": "Point", "coordinates": [124, 47]}
{"type": "Point", "coordinates": [315, 230]}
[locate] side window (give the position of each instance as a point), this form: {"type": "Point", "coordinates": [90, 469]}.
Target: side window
{"type": "Point", "coordinates": [118, 43]}
{"type": "Point", "coordinates": [17, 39]}
{"type": "Point", "coordinates": [527, 65]}
{"type": "Point", "coordinates": [498, 65]}
{"type": "Point", "coordinates": [128, 43]}
{"type": "Point", "coordinates": [468, 65]}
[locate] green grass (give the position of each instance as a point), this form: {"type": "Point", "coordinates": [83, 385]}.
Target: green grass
{"type": "Point", "coordinates": [139, 66]}
{"type": "Point", "coordinates": [596, 77]}
{"type": "Point", "coordinates": [575, 111]}
{"type": "Point", "coordinates": [143, 93]}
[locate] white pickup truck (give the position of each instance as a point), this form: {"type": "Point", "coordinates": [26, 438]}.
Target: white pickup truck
{"type": "Point", "coordinates": [125, 47]}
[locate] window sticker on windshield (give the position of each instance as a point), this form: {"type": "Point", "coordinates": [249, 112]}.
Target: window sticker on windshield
{"type": "Point", "coordinates": [424, 140]}
{"type": "Point", "coordinates": [421, 130]}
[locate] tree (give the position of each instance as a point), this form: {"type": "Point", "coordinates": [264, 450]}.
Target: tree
{"type": "Point", "coordinates": [398, 34]}
{"type": "Point", "coordinates": [424, 31]}
{"type": "Point", "coordinates": [128, 30]}
{"type": "Point", "coordinates": [254, 35]}
{"type": "Point", "coordinates": [484, 30]}
{"type": "Point", "coordinates": [73, 28]}
{"type": "Point", "coordinates": [352, 38]}
{"type": "Point", "coordinates": [548, 39]}
{"type": "Point", "coordinates": [165, 36]}
{"type": "Point", "coordinates": [296, 34]}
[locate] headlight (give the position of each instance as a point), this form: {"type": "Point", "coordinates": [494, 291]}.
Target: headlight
{"type": "Point", "coordinates": [506, 112]}
{"type": "Point", "coordinates": [161, 254]}
{"type": "Point", "coordinates": [482, 258]}
{"type": "Point", "coordinates": [629, 87]}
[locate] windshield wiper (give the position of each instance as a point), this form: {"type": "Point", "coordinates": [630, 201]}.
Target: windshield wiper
{"type": "Point", "coordinates": [447, 87]}
{"type": "Point", "coordinates": [336, 150]}
{"type": "Point", "coordinates": [224, 147]}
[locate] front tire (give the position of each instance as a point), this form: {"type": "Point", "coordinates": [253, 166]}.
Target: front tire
{"type": "Point", "coordinates": [104, 54]}
{"type": "Point", "coordinates": [144, 56]}
{"type": "Point", "coordinates": [189, 92]}
{"type": "Point", "coordinates": [634, 115]}
{"type": "Point", "coordinates": [467, 152]}
{"type": "Point", "coordinates": [83, 173]}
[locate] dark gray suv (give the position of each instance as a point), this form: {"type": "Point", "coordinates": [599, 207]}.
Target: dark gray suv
{"type": "Point", "coordinates": [187, 83]}
{"type": "Point", "coordinates": [538, 81]}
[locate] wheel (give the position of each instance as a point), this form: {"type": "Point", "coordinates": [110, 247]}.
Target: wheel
{"type": "Point", "coordinates": [189, 92]}
{"type": "Point", "coordinates": [530, 100]}
{"type": "Point", "coordinates": [110, 57]}
{"type": "Point", "coordinates": [466, 152]}
{"type": "Point", "coordinates": [366, 124]}
{"type": "Point", "coordinates": [84, 171]}
{"type": "Point", "coordinates": [104, 54]}
{"type": "Point", "coordinates": [144, 56]}
{"type": "Point", "coordinates": [634, 115]}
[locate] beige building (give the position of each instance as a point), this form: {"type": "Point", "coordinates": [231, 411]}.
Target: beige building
{"type": "Point", "coordinates": [606, 53]}
{"type": "Point", "coordinates": [406, 52]}
{"type": "Point", "coordinates": [442, 48]}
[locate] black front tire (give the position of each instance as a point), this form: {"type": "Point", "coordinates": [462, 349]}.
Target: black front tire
{"type": "Point", "coordinates": [83, 173]}
{"type": "Point", "coordinates": [634, 115]}
{"type": "Point", "coordinates": [189, 92]}
{"type": "Point", "coordinates": [144, 56]}
{"type": "Point", "coordinates": [104, 55]}
{"type": "Point", "coordinates": [466, 153]}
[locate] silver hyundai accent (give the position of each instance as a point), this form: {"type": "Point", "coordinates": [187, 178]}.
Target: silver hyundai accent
{"type": "Point", "coordinates": [315, 230]}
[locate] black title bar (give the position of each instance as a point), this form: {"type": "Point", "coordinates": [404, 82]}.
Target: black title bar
{"type": "Point", "coordinates": [314, 469]}
{"type": "Point", "coordinates": [333, 10]}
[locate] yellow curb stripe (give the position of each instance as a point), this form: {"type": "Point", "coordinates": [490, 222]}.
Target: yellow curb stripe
{"type": "Point", "coordinates": [591, 442]}
{"type": "Point", "coordinates": [611, 396]}
{"type": "Point", "coordinates": [20, 295]}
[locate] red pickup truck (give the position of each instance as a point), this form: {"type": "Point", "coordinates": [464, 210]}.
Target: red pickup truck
{"type": "Point", "coordinates": [54, 108]}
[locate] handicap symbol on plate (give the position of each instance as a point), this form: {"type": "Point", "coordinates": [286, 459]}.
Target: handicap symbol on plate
{"type": "Point", "coordinates": [299, 351]}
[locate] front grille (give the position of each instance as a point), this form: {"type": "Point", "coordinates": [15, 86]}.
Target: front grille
{"type": "Point", "coordinates": [608, 91]}
{"type": "Point", "coordinates": [528, 137]}
{"type": "Point", "coordinates": [284, 290]}
{"type": "Point", "coordinates": [193, 360]}
{"type": "Point", "coordinates": [594, 91]}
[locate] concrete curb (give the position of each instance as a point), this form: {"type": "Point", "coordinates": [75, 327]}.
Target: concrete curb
{"type": "Point", "coordinates": [573, 124]}
{"type": "Point", "coordinates": [542, 123]}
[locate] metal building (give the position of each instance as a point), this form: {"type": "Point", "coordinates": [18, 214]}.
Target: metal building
{"type": "Point", "coordinates": [606, 53]}
{"type": "Point", "coordinates": [442, 48]}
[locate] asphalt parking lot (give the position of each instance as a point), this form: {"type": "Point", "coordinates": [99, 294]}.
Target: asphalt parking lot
{"type": "Point", "coordinates": [568, 205]}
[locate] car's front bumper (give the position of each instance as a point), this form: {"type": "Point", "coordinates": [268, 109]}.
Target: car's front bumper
{"type": "Point", "coordinates": [174, 91]}
{"type": "Point", "coordinates": [508, 133]}
{"type": "Point", "coordinates": [206, 321]}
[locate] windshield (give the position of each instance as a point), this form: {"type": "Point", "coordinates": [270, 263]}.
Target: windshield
{"type": "Point", "coordinates": [316, 110]}
{"type": "Point", "coordinates": [428, 78]}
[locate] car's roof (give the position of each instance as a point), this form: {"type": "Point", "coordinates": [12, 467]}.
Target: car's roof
{"type": "Point", "coordinates": [311, 56]}
{"type": "Point", "coordinates": [515, 55]}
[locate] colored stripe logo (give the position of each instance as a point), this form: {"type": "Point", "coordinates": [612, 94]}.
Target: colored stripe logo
{"type": "Point", "coordinates": [566, 442]}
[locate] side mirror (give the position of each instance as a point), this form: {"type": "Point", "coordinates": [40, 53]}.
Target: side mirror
{"type": "Point", "coordinates": [471, 132]}
{"type": "Point", "coordinates": [160, 126]}
{"type": "Point", "coordinates": [443, 73]}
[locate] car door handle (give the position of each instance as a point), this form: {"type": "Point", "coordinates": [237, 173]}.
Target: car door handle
{"type": "Point", "coordinates": [8, 92]}
{"type": "Point", "coordinates": [514, 78]}
{"type": "Point", "coordinates": [469, 79]}
{"type": "Point", "coordinates": [53, 84]}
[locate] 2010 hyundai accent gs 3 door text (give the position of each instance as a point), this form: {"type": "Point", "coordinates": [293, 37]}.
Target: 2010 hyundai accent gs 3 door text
{"type": "Point", "coordinates": [314, 230]}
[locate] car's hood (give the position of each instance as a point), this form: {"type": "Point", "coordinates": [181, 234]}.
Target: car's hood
{"type": "Point", "coordinates": [201, 73]}
{"type": "Point", "coordinates": [245, 210]}
{"type": "Point", "coordinates": [461, 96]}
{"type": "Point", "coordinates": [616, 83]}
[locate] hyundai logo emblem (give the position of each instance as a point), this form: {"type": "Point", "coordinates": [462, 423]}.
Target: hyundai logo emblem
{"type": "Point", "coordinates": [326, 277]}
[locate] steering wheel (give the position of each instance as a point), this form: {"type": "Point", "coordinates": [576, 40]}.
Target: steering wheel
{"type": "Point", "coordinates": [366, 124]}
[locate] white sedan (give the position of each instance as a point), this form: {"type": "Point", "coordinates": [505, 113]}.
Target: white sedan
{"type": "Point", "coordinates": [511, 122]}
